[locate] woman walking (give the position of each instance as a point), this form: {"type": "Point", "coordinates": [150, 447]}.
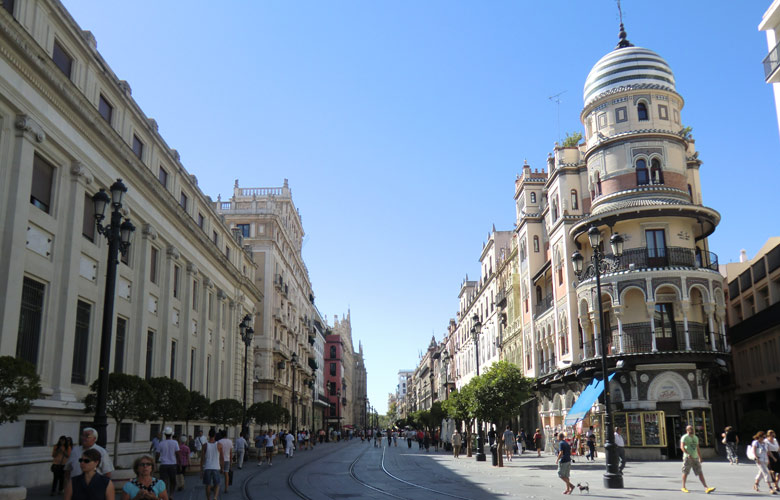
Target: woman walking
{"type": "Point", "coordinates": [731, 441]}
{"type": "Point", "coordinates": [89, 485]}
{"type": "Point", "coordinates": [60, 455]}
{"type": "Point", "coordinates": [538, 442]}
{"type": "Point", "coordinates": [144, 486]}
{"type": "Point", "coordinates": [773, 449]}
{"type": "Point", "coordinates": [762, 459]}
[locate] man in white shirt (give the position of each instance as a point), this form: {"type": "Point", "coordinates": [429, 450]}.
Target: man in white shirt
{"type": "Point", "coordinates": [621, 451]}
{"type": "Point", "coordinates": [89, 441]}
{"type": "Point", "coordinates": [169, 454]}
{"type": "Point", "coordinates": [227, 451]}
{"type": "Point", "coordinates": [241, 446]}
{"type": "Point", "coordinates": [289, 447]}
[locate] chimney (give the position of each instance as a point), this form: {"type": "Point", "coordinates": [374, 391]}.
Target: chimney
{"type": "Point", "coordinates": [743, 256]}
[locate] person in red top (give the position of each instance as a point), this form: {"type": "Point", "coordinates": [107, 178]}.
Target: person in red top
{"type": "Point", "coordinates": [420, 436]}
{"type": "Point", "coordinates": [184, 462]}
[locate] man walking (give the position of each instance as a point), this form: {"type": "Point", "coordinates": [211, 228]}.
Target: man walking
{"type": "Point", "coordinates": [241, 447]}
{"type": "Point", "coordinates": [621, 451]}
{"type": "Point", "coordinates": [169, 455]}
{"type": "Point", "coordinates": [456, 442]}
{"type": "Point", "coordinates": [289, 444]}
{"type": "Point", "coordinates": [226, 447]}
{"type": "Point", "coordinates": [689, 444]}
{"type": "Point", "coordinates": [210, 465]}
{"type": "Point", "coordinates": [89, 442]}
{"type": "Point", "coordinates": [509, 442]}
{"type": "Point", "coordinates": [564, 462]}
{"type": "Point", "coordinates": [270, 439]}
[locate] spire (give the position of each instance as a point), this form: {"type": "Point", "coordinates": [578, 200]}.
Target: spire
{"type": "Point", "coordinates": [623, 42]}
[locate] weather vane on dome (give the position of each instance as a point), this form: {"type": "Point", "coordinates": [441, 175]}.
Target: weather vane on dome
{"type": "Point", "coordinates": [623, 43]}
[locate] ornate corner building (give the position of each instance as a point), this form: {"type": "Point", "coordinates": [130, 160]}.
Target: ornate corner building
{"type": "Point", "coordinates": [636, 173]}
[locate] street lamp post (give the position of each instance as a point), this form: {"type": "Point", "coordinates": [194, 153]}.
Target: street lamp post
{"type": "Point", "coordinates": [600, 263]}
{"type": "Point", "coordinates": [446, 360]}
{"type": "Point", "coordinates": [247, 332]}
{"type": "Point", "coordinates": [119, 234]}
{"type": "Point", "coordinates": [294, 366]}
{"type": "Point", "coordinates": [338, 409]}
{"type": "Point", "coordinates": [475, 330]}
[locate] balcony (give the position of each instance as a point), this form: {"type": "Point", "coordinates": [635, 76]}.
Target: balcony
{"type": "Point", "coordinates": [543, 305]}
{"type": "Point", "coordinates": [644, 258]}
{"type": "Point", "coordinates": [771, 62]}
{"type": "Point", "coordinates": [638, 339]}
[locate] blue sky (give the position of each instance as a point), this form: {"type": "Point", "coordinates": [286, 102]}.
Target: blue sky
{"type": "Point", "coordinates": [401, 125]}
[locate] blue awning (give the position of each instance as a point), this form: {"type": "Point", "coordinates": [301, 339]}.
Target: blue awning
{"type": "Point", "coordinates": [582, 406]}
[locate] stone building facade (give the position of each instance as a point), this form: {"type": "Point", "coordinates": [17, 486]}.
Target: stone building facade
{"type": "Point", "coordinates": [68, 127]}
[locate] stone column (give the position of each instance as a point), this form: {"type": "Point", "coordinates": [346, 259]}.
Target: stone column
{"type": "Point", "coordinates": [721, 312]}
{"type": "Point", "coordinates": [596, 322]}
{"type": "Point", "coordinates": [617, 310]}
{"type": "Point", "coordinates": [165, 311]}
{"type": "Point", "coordinates": [685, 305]}
{"type": "Point", "coordinates": [584, 324]}
{"type": "Point", "coordinates": [709, 310]}
{"type": "Point", "coordinates": [15, 211]}
{"type": "Point", "coordinates": [651, 313]}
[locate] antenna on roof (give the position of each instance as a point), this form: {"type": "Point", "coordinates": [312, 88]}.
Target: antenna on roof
{"type": "Point", "coordinates": [557, 100]}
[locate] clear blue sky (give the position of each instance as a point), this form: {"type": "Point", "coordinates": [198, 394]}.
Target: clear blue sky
{"type": "Point", "coordinates": [401, 125]}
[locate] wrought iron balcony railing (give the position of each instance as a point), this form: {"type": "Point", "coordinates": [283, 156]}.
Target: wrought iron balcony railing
{"type": "Point", "coordinates": [771, 62]}
{"type": "Point", "coordinates": [543, 305]}
{"type": "Point", "coordinates": [643, 258]}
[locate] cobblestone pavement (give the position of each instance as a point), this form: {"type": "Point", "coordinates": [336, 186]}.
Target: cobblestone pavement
{"type": "Point", "coordinates": [359, 470]}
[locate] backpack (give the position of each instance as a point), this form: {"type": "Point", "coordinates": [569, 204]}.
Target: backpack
{"type": "Point", "coordinates": [750, 454]}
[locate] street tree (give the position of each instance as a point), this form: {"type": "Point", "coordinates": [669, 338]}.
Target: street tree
{"type": "Point", "coordinates": [264, 413]}
{"type": "Point", "coordinates": [19, 386]}
{"type": "Point", "coordinates": [171, 399]}
{"type": "Point", "coordinates": [129, 398]}
{"type": "Point", "coordinates": [225, 413]}
{"type": "Point", "coordinates": [499, 395]}
{"type": "Point", "coordinates": [460, 407]}
{"type": "Point", "coordinates": [197, 409]}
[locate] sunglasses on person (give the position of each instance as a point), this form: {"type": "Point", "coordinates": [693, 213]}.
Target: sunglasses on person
{"type": "Point", "coordinates": [85, 460]}
{"type": "Point", "coordinates": [145, 464]}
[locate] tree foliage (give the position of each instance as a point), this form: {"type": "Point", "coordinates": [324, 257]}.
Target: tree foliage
{"type": "Point", "coordinates": [268, 413]}
{"type": "Point", "coordinates": [197, 408]}
{"type": "Point", "coordinates": [171, 399]}
{"type": "Point", "coordinates": [225, 412]}
{"type": "Point", "coordinates": [19, 386]}
{"type": "Point", "coordinates": [129, 398]}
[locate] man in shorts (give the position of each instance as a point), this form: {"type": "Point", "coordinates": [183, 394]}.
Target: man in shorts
{"type": "Point", "coordinates": [564, 462]}
{"type": "Point", "coordinates": [689, 444]}
{"type": "Point", "coordinates": [210, 465]}
{"type": "Point", "coordinates": [270, 438]}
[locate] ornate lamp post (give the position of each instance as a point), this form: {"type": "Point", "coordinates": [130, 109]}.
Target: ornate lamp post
{"type": "Point", "coordinates": [338, 409]}
{"type": "Point", "coordinates": [475, 330]}
{"type": "Point", "coordinates": [600, 263]}
{"type": "Point", "coordinates": [294, 367]}
{"type": "Point", "coordinates": [119, 235]}
{"type": "Point", "coordinates": [445, 359]}
{"type": "Point", "coordinates": [246, 336]}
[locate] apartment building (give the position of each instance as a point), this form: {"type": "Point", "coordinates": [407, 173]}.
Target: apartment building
{"type": "Point", "coordinates": [770, 23]}
{"type": "Point", "coordinates": [69, 127]}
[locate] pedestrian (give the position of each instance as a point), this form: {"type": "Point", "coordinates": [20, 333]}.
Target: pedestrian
{"type": "Point", "coordinates": [731, 441]}
{"type": "Point", "coordinates": [456, 442]}
{"type": "Point", "coordinates": [270, 441]}
{"type": "Point", "coordinates": [144, 485]}
{"type": "Point", "coordinates": [241, 447]}
{"type": "Point", "coordinates": [210, 465]}
{"type": "Point", "coordinates": [761, 457]}
{"type": "Point", "coordinates": [409, 438]}
{"type": "Point", "coordinates": [184, 462]}
{"type": "Point", "coordinates": [427, 441]}
{"type": "Point", "coordinates": [89, 484]}
{"type": "Point", "coordinates": [591, 442]}
{"type": "Point", "coordinates": [260, 445]}
{"type": "Point", "coordinates": [155, 448]}
{"type": "Point", "coordinates": [621, 451]}
{"type": "Point", "coordinates": [522, 440]}
{"type": "Point", "coordinates": [89, 442]}
{"type": "Point", "coordinates": [435, 440]}
{"type": "Point", "coordinates": [538, 442]}
{"type": "Point", "coordinates": [689, 444]}
{"type": "Point", "coordinates": [299, 435]}
{"type": "Point", "coordinates": [289, 446]}
{"type": "Point", "coordinates": [773, 449]}
{"type": "Point", "coordinates": [226, 452]}
{"type": "Point", "coordinates": [395, 438]}
{"type": "Point", "coordinates": [169, 460]}
{"type": "Point", "coordinates": [60, 455]}
{"type": "Point", "coordinates": [563, 461]}
{"type": "Point", "coordinates": [509, 442]}
{"type": "Point", "coordinates": [200, 440]}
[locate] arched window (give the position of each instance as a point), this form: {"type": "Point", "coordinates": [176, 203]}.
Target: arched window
{"type": "Point", "coordinates": [533, 197]}
{"type": "Point", "coordinates": [598, 184]}
{"type": "Point", "coordinates": [555, 209]}
{"type": "Point", "coordinates": [641, 172]}
{"type": "Point", "coordinates": [536, 244]}
{"type": "Point", "coordinates": [641, 111]}
{"type": "Point", "coordinates": [574, 202]}
{"type": "Point", "coordinates": [656, 174]}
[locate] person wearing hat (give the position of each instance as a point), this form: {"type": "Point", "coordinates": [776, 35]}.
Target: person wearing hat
{"type": "Point", "coordinates": [169, 461]}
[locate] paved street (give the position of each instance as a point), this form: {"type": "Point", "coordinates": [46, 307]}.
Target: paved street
{"type": "Point", "coordinates": [355, 470]}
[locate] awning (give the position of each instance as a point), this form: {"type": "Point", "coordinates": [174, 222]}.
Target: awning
{"type": "Point", "coordinates": [583, 404]}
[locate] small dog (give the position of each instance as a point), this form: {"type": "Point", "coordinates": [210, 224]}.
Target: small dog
{"type": "Point", "coordinates": [583, 487]}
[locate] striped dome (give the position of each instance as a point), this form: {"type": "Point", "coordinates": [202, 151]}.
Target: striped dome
{"type": "Point", "coordinates": [627, 66]}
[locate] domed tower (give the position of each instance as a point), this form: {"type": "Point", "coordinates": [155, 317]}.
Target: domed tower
{"type": "Point", "coordinates": [662, 298]}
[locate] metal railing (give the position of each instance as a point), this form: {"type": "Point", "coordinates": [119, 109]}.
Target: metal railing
{"type": "Point", "coordinates": [638, 338]}
{"type": "Point", "coordinates": [643, 258]}
{"type": "Point", "coordinates": [771, 62]}
{"type": "Point", "coordinates": [544, 305]}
